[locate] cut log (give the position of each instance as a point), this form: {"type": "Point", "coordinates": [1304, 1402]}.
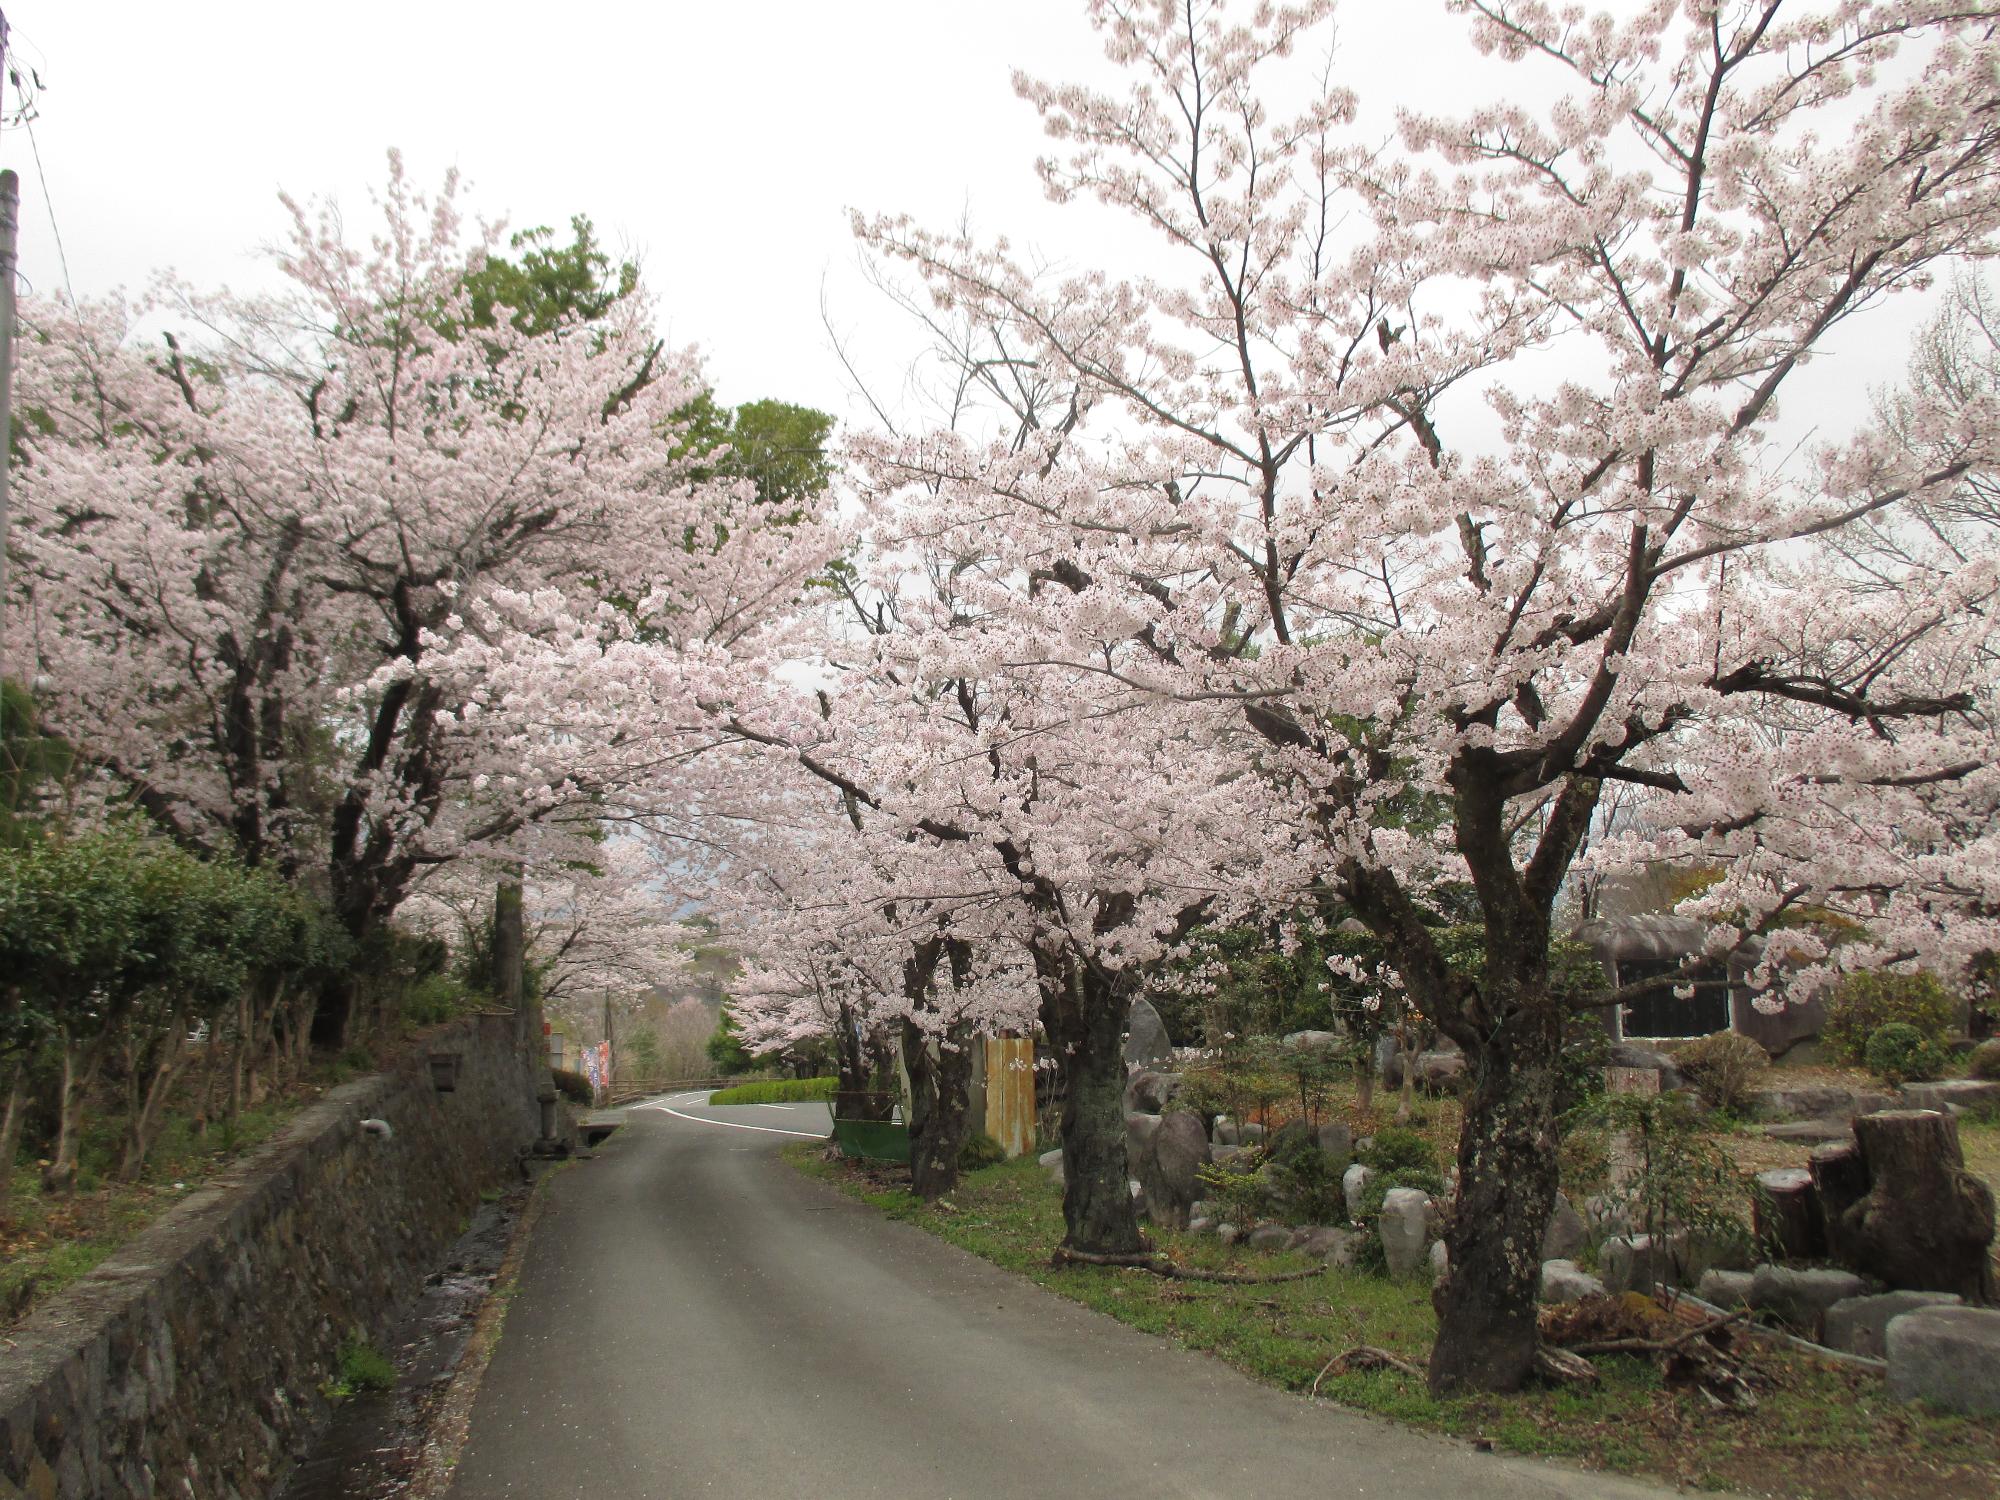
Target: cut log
{"type": "Point", "coordinates": [1926, 1223]}
{"type": "Point", "coordinates": [1786, 1213]}
{"type": "Point", "coordinates": [1840, 1180]}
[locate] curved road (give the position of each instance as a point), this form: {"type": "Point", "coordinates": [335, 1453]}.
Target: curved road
{"type": "Point", "coordinates": [694, 1317]}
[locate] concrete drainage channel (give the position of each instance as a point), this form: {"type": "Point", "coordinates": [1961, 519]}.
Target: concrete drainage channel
{"type": "Point", "coordinates": [401, 1441]}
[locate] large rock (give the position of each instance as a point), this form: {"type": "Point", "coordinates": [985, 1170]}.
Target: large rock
{"type": "Point", "coordinates": [1353, 1183]}
{"type": "Point", "coordinates": [1814, 1101]}
{"type": "Point", "coordinates": [1860, 1325]}
{"type": "Point", "coordinates": [1170, 1170]}
{"type": "Point", "coordinates": [1949, 1356]}
{"type": "Point", "coordinates": [1963, 1092]}
{"type": "Point", "coordinates": [1440, 1260]}
{"type": "Point", "coordinates": [1440, 1072]}
{"type": "Point", "coordinates": [1403, 1228]}
{"type": "Point", "coordinates": [1251, 1134]}
{"type": "Point", "coordinates": [1270, 1237]}
{"type": "Point", "coordinates": [1314, 1041]}
{"type": "Point", "coordinates": [1385, 1062]}
{"type": "Point", "coordinates": [1801, 1298]}
{"type": "Point", "coordinates": [1566, 1233]}
{"type": "Point", "coordinates": [1636, 1055]}
{"type": "Point", "coordinates": [1786, 1219]}
{"type": "Point", "coordinates": [1146, 1044]}
{"type": "Point", "coordinates": [1337, 1247]}
{"type": "Point", "coordinates": [1337, 1141]}
{"type": "Point", "coordinates": [1139, 1132]}
{"type": "Point", "coordinates": [1147, 1092]}
{"type": "Point", "coordinates": [1728, 1290]}
{"type": "Point", "coordinates": [1639, 1262]}
{"type": "Point", "coordinates": [1224, 1133]}
{"type": "Point", "coordinates": [1227, 1156]}
{"type": "Point", "coordinates": [1052, 1163]}
{"type": "Point", "coordinates": [1812, 1132]}
{"type": "Point", "coordinates": [1294, 1138]}
{"type": "Point", "coordinates": [1565, 1281]}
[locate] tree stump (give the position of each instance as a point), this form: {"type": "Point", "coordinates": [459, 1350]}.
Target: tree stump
{"type": "Point", "coordinates": [1926, 1223]}
{"type": "Point", "coordinates": [1786, 1214]}
{"type": "Point", "coordinates": [1840, 1180]}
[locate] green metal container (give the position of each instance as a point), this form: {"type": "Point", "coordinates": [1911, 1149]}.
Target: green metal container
{"type": "Point", "coordinates": [875, 1140]}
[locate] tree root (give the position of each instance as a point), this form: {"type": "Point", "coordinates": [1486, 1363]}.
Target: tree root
{"type": "Point", "coordinates": [1159, 1265]}
{"type": "Point", "coordinates": [1363, 1357]}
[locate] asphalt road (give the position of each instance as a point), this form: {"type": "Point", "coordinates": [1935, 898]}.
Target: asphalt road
{"type": "Point", "coordinates": [693, 1317]}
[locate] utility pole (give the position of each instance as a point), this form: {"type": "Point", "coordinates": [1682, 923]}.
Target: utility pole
{"type": "Point", "coordinates": [10, 217]}
{"type": "Point", "coordinates": [10, 220]}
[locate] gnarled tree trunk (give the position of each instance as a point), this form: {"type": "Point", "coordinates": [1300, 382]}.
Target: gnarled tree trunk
{"type": "Point", "coordinates": [1083, 1015]}
{"type": "Point", "coordinates": [1507, 1181]}
{"type": "Point", "coordinates": [940, 1107]}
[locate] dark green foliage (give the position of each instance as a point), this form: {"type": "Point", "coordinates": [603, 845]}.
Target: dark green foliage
{"type": "Point", "coordinates": [725, 1049]}
{"type": "Point", "coordinates": [1306, 1184]}
{"type": "Point", "coordinates": [980, 1150]}
{"type": "Point", "coordinates": [1899, 1053]}
{"type": "Point", "coordinates": [1395, 1152]}
{"type": "Point", "coordinates": [1868, 1001]}
{"type": "Point", "coordinates": [29, 762]}
{"type": "Point", "coordinates": [363, 1367]}
{"type": "Point", "coordinates": [550, 284]}
{"type": "Point", "coordinates": [780, 448]}
{"type": "Point", "coordinates": [573, 1086]}
{"type": "Point", "coordinates": [1985, 1061]}
{"type": "Point", "coordinates": [1586, 1053]}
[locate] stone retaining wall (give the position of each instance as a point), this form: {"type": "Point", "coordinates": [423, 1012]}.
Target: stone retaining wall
{"type": "Point", "coordinates": [193, 1363]}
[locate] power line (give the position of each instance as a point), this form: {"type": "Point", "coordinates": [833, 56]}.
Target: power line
{"type": "Point", "coordinates": [48, 203]}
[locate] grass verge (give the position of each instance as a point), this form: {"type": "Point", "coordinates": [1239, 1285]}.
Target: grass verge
{"type": "Point", "coordinates": [779, 1091]}
{"type": "Point", "coordinates": [1822, 1431]}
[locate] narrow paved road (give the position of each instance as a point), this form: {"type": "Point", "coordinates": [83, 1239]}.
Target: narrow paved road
{"type": "Point", "coordinates": [694, 1318]}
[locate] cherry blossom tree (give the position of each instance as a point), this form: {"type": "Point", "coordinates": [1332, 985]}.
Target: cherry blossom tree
{"type": "Point", "coordinates": [245, 539]}
{"type": "Point", "coordinates": [1448, 475]}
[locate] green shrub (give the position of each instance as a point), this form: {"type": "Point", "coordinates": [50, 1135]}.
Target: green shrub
{"type": "Point", "coordinates": [778, 1091]}
{"type": "Point", "coordinates": [1235, 1193]}
{"type": "Point", "coordinates": [1899, 1053]}
{"type": "Point", "coordinates": [363, 1367]}
{"type": "Point", "coordinates": [980, 1150]}
{"type": "Point", "coordinates": [435, 998]}
{"type": "Point", "coordinates": [1865, 1002]}
{"type": "Point", "coordinates": [1985, 1060]}
{"type": "Point", "coordinates": [1723, 1067]}
{"type": "Point", "coordinates": [573, 1086]}
{"type": "Point", "coordinates": [1396, 1153]}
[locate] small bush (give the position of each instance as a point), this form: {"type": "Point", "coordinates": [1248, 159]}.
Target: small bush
{"type": "Point", "coordinates": [435, 998]}
{"type": "Point", "coordinates": [1236, 1196]}
{"type": "Point", "coordinates": [1395, 1153]}
{"type": "Point", "coordinates": [778, 1091]}
{"type": "Point", "coordinates": [573, 1086]}
{"type": "Point", "coordinates": [363, 1367]}
{"type": "Point", "coordinates": [1985, 1060]}
{"type": "Point", "coordinates": [1723, 1067]}
{"type": "Point", "coordinates": [980, 1150]}
{"type": "Point", "coordinates": [1866, 1002]}
{"type": "Point", "coordinates": [1899, 1053]}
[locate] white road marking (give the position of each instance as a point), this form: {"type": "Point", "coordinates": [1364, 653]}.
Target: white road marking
{"type": "Point", "coordinates": [810, 1135]}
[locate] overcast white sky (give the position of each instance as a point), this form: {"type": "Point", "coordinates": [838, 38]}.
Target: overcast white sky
{"type": "Point", "coordinates": [722, 143]}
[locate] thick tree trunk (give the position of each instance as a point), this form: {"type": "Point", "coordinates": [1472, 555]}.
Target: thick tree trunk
{"type": "Point", "coordinates": [1083, 1014]}
{"type": "Point", "coordinates": [940, 1113]}
{"type": "Point", "coordinates": [11, 1113]}
{"type": "Point", "coordinates": [1507, 1180]}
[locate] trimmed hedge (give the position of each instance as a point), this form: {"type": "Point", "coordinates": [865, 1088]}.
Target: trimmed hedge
{"type": "Point", "coordinates": [779, 1091]}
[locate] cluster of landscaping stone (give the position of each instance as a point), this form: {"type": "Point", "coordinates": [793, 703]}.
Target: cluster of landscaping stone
{"type": "Point", "coordinates": [1879, 1250]}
